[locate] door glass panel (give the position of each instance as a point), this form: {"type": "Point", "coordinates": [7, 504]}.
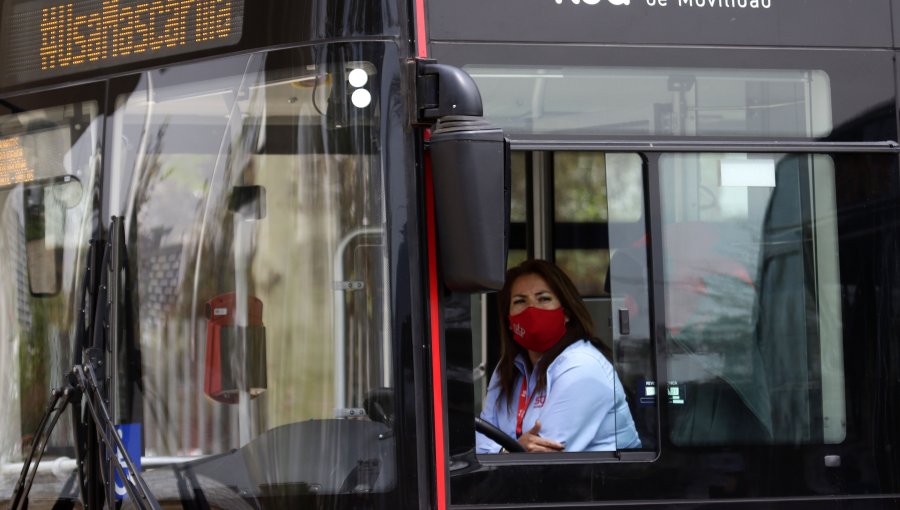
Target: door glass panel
{"type": "Point", "coordinates": [753, 302]}
{"type": "Point", "coordinates": [518, 210]}
{"type": "Point", "coordinates": [629, 296]}
{"type": "Point", "coordinates": [580, 202]}
{"type": "Point", "coordinates": [600, 243]}
{"type": "Point", "coordinates": [597, 208]}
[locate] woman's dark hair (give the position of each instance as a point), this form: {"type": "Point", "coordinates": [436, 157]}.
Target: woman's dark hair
{"type": "Point", "coordinates": [579, 327]}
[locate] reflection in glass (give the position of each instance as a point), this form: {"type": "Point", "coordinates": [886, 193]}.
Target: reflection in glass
{"type": "Point", "coordinates": [656, 101]}
{"type": "Point", "coordinates": [753, 314]}
{"type": "Point", "coordinates": [255, 217]}
{"type": "Point", "coordinates": [598, 209]}
{"type": "Point", "coordinates": [48, 162]}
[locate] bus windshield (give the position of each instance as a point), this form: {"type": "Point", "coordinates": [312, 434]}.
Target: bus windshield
{"type": "Point", "coordinates": [256, 303]}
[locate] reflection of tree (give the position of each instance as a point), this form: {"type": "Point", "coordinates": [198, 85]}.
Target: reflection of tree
{"type": "Point", "coordinates": [314, 197]}
{"type": "Point", "coordinates": [579, 181]}
{"type": "Point", "coordinates": [715, 358]}
{"type": "Point", "coordinates": [176, 274]}
{"type": "Point", "coordinates": [43, 325]}
{"type": "Point", "coordinates": [149, 177]}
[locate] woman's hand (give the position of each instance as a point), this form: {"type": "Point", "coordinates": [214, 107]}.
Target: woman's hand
{"type": "Point", "coordinates": [532, 442]}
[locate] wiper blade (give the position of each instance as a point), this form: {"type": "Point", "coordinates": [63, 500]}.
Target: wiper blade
{"type": "Point", "coordinates": [138, 490]}
{"type": "Point", "coordinates": [101, 292]}
{"type": "Point", "coordinates": [59, 400]}
{"type": "Point", "coordinates": [83, 379]}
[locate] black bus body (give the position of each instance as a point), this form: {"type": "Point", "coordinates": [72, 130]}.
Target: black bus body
{"type": "Point", "coordinates": [271, 229]}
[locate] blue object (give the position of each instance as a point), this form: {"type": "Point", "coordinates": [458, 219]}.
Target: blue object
{"type": "Point", "coordinates": [130, 433]}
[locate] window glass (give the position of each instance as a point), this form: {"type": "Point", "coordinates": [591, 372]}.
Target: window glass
{"type": "Point", "coordinates": [600, 243]}
{"type": "Point", "coordinates": [580, 202]}
{"type": "Point", "coordinates": [752, 295]}
{"type": "Point", "coordinates": [656, 101]}
{"type": "Point", "coordinates": [583, 208]}
{"type": "Point", "coordinates": [598, 209]}
{"type": "Point", "coordinates": [48, 165]}
{"type": "Point", "coordinates": [586, 267]}
{"type": "Point", "coordinates": [253, 193]}
{"type": "Point", "coordinates": [627, 285]}
{"type": "Point", "coordinates": [518, 210]}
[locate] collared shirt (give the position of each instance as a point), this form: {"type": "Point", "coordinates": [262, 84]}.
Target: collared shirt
{"type": "Point", "coordinates": [582, 407]}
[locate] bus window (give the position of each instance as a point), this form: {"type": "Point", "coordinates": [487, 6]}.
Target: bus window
{"type": "Point", "coordinates": [599, 241]}
{"type": "Point", "coordinates": [656, 101]}
{"type": "Point", "coordinates": [518, 209]}
{"type": "Point", "coordinates": [48, 162]}
{"type": "Point", "coordinates": [753, 306]}
{"type": "Point", "coordinates": [580, 198]}
{"type": "Point", "coordinates": [596, 208]}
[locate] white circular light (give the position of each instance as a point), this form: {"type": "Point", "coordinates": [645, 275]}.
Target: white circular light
{"type": "Point", "coordinates": [361, 98]}
{"type": "Point", "coordinates": [357, 77]}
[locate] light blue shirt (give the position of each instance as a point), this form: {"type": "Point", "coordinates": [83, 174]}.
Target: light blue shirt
{"type": "Point", "coordinates": [582, 407]}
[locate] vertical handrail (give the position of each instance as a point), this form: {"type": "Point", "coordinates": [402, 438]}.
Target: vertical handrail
{"type": "Point", "coordinates": [340, 388]}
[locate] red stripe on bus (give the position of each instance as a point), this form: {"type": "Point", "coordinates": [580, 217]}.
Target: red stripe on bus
{"type": "Point", "coordinates": [436, 380]}
{"type": "Point", "coordinates": [421, 40]}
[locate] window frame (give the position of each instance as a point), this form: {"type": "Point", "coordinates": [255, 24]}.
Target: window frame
{"type": "Point", "coordinates": [507, 474]}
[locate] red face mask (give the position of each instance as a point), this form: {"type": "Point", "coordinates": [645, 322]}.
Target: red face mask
{"type": "Point", "coordinates": [537, 329]}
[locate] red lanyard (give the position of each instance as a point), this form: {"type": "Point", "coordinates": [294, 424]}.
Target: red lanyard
{"type": "Point", "coordinates": [523, 406]}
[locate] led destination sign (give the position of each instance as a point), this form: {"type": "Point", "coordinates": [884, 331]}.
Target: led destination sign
{"type": "Point", "coordinates": [41, 39]}
{"type": "Point", "coordinates": [13, 166]}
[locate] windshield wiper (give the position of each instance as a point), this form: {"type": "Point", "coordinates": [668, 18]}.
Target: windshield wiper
{"type": "Point", "coordinates": [138, 490]}
{"type": "Point", "coordinates": [83, 380]}
{"type": "Point", "coordinates": [59, 399]}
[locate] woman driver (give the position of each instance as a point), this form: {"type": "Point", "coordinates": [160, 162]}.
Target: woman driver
{"type": "Point", "coordinates": [553, 388]}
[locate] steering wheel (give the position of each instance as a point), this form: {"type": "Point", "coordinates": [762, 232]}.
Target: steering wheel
{"type": "Point", "coordinates": [498, 436]}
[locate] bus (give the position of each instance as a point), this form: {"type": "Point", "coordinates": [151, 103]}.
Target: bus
{"type": "Point", "coordinates": [249, 250]}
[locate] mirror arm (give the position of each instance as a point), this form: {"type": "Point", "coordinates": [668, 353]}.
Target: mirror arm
{"type": "Point", "coordinates": [441, 90]}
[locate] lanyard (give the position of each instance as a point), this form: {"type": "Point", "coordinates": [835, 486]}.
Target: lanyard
{"type": "Point", "coordinates": [524, 401]}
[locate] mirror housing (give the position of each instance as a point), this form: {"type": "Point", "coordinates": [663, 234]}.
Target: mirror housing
{"type": "Point", "coordinates": [470, 162]}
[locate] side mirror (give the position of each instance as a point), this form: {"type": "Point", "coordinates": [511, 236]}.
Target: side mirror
{"type": "Point", "coordinates": [41, 151]}
{"type": "Point", "coordinates": [470, 163]}
{"type": "Point", "coordinates": [471, 167]}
